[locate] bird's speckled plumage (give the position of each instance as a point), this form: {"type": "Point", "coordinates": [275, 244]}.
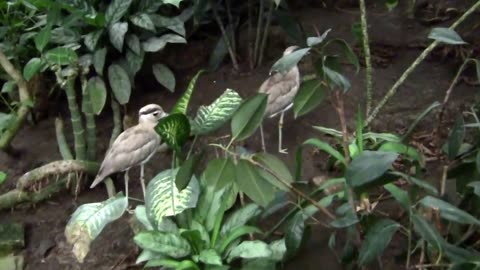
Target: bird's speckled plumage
{"type": "Point", "coordinates": [134, 146]}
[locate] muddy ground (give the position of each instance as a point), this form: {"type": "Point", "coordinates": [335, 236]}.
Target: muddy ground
{"type": "Point", "coordinates": [398, 41]}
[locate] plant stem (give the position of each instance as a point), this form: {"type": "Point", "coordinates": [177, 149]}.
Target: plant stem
{"type": "Point", "coordinates": [191, 146]}
{"type": "Point", "coordinates": [366, 51]}
{"type": "Point", "coordinates": [117, 121]}
{"type": "Point", "coordinates": [89, 121]}
{"type": "Point", "coordinates": [230, 21]}
{"type": "Point", "coordinates": [225, 37]}
{"type": "Point", "coordinates": [249, 33]}
{"type": "Point", "coordinates": [412, 67]}
{"type": "Point", "coordinates": [7, 136]}
{"type": "Point", "coordinates": [77, 125]}
{"type": "Point", "coordinates": [265, 32]}
{"type": "Point", "coordinates": [61, 141]}
{"type": "Point", "coordinates": [259, 32]}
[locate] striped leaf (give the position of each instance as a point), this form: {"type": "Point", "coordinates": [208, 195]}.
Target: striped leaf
{"type": "Point", "coordinates": [163, 198]}
{"type": "Point", "coordinates": [182, 104]}
{"type": "Point", "coordinates": [174, 130]}
{"type": "Point", "coordinates": [211, 117]}
{"type": "Point", "coordinates": [89, 220]}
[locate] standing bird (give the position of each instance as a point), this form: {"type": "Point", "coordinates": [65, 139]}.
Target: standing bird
{"type": "Point", "coordinates": [281, 88]}
{"type": "Point", "coordinates": [134, 146]}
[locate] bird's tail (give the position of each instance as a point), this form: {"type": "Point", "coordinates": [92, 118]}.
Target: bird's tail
{"type": "Point", "coordinates": [97, 180]}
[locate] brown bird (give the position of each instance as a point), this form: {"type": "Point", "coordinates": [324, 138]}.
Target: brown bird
{"type": "Point", "coordinates": [281, 88]}
{"type": "Point", "coordinates": [133, 147]}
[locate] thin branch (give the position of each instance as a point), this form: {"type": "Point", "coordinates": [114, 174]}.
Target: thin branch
{"type": "Point", "coordinates": [259, 32]}
{"type": "Point", "coordinates": [265, 32]}
{"type": "Point", "coordinates": [61, 141]}
{"type": "Point", "coordinates": [366, 51]}
{"type": "Point", "coordinates": [225, 37]}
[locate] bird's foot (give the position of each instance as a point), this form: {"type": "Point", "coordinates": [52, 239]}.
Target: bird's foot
{"type": "Point", "coordinates": [283, 151]}
{"type": "Point", "coordinates": [130, 210]}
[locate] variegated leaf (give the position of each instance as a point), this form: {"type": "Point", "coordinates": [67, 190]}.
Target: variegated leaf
{"type": "Point", "coordinates": [163, 198]}
{"type": "Point", "coordinates": [211, 117]}
{"type": "Point", "coordinates": [89, 220]}
{"type": "Point", "coordinates": [182, 104]}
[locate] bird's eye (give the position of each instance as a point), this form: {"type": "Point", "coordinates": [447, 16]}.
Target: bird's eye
{"type": "Point", "coordinates": [155, 113]}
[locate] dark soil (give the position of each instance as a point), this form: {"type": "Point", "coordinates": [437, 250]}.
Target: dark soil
{"type": "Point", "coordinates": [398, 41]}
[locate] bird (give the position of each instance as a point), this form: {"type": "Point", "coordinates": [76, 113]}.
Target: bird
{"type": "Point", "coordinates": [281, 88]}
{"type": "Point", "coordinates": [133, 147]}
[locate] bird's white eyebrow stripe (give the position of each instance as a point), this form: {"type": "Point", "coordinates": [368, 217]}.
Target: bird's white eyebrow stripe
{"type": "Point", "coordinates": [149, 111]}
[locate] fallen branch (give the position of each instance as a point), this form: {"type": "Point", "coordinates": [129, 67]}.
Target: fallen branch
{"type": "Point", "coordinates": [54, 169]}
{"type": "Point", "coordinates": [7, 137]}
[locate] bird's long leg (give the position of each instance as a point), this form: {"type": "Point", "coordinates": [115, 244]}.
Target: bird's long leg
{"type": "Point", "coordinates": [280, 126]}
{"type": "Point", "coordinates": [263, 139]}
{"type": "Point", "coordinates": [126, 184]}
{"type": "Point", "coordinates": [142, 180]}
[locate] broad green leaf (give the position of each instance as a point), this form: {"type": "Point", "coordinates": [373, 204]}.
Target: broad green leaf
{"type": "Point", "coordinates": [99, 60]}
{"type": "Point", "coordinates": [218, 54]}
{"type": "Point", "coordinates": [42, 38]}
{"type": "Point", "coordinates": [32, 67]}
{"type": "Point", "coordinates": [5, 120]}
{"type": "Point", "coordinates": [345, 51]}
{"type": "Point", "coordinates": [457, 254]}
{"type": "Point", "coordinates": [173, 2]}
{"type": "Point", "coordinates": [120, 83]}
{"type": "Point", "coordinates": [368, 166]}
{"type": "Point", "coordinates": [9, 86]}
{"type": "Point", "coordinates": [134, 62]}
{"type": "Point", "coordinates": [254, 186]}
{"type": "Point", "coordinates": [164, 76]}
{"type": "Point", "coordinates": [403, 149]}
{"type": "Point", "coordinates": [456, 137]}
{"type": "Point", "coordinates": [194, 238]}
{"type": "Point", "coordinates": [274, 165]}
{"type": "Point", "coordinates": [117, 32]}
{"type": "Point", "coordinates": [155, 44]}
{"type": "Point", "coordinates": [400, 195]}
{"type": "Point", "coordinates": [195, 225]}
{"type": "Point", "coordinates": [141, 215]}
{"type": "Point", "coordinates": [174, 130]}
{"type": "Point", "coordinates": [98, 94]}
{"type": "Point", "coordinates": [287, 62]}
{"type": "Point", "coordinates": [64, 35]}
{"type": "Point", "coordinates": [313, 41]}
{"type": "Point", "coordinates": [427, 231]}
{"type": "Point", "coordinates": [168, 244]}
{"type": "Point", "coordinates": [163, 198]}
{"type": "Point", "coordinates": [148, 255]}
{"type": "Point", "coordinates": [61, 56]}
{"type": "Point", "coordinates": [240, 217]}
{"type": "Point", "coordinates": [116, 9]}
{"type": "Point", "coordinates": [420, 183]}
{"type": "Point", "coordinates": [295, 234]}
{"type": "Point", "coordinates": [210, 256]}
{"type": "Point", "coordinates": [446, 35]}
{"type": "Point", "coordinates": [3, 177]}
{"type": "Point", "coordinates": [134, 43]}
{"type": "Point", "coordinates": [449, 211]}
{"type": "Point", "coordinates": [88, 221]}
{"type": "Point", "coordinates": [250, 250]}
{"type": "Point", "coordinates": [91, 39]}
{"type": "Point", "coordinates": [376, 240]}
{"type": "Point", "coordinates": [186, 171]}
{"type": "Point", "coordinates": [309, 96]}
{"type": "Point", "coordinates": [249, 116]}
{"type": "Point", "coordinates": [346, 221]}
{"type": "Point", "coordinates": [219, 173]}
{"type": "Point", "coordinates": [279, 249]}
{"type": "Point", "coordinates": [336, 78]}
{"type": "Point", "coordinates": [476, 187]}
{"type": "Point", "coordinates": [235, 235]}
{"type": "Point", "coordinates": [182, 104]}
{"type": "Point", "coordinates": [326, 147]}
{"type": "Point", "coordinates": [210, 118]}
{"type": "Point", "coordinates": [143, 20]}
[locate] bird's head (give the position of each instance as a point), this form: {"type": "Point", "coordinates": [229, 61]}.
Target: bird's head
{"type": "Point", "coordinates": [151, 113]}
{"type": "Point", "coordinates": [290, 49]}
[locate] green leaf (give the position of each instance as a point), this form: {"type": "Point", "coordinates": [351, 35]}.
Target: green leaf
{"type": "Point", "coordinates": [400, 195]}
{"type": "Point", "coordinates": [376, 240]}
{"type": "Point", "coordinates": [174, 130]}
{"type": "Point", "coordinates": [250, 250]}
{"type": "Point", "coordinates": [141, 215]}
{"type": "Point", "coordinates": [345, 51]}
{"type": "Point", "coordinates": [116, 10]}
{"type": "Point", "coordinates": [186, 171]}
{"type": "Point", "coordinates": [456, 137]}
{"type": "Point", "coordinates": [446, 35]}
{"type": "Point", "coordinates": [148, 255]}
{"type": "Point", "coordinates": [165, 243]}
{"type": "Point", "coordinates": [209, 205]}
{"type": "Point", "coordinates": [279, 249]}
{"type": "Point", "coordinates": [42, 38]}
{"type": "Point", "coordinates": [336, 78]}
{"type": "Point", "coordinates": [327, 148]}
{"type": "Point", "coordinates": [88, 221]}
{"type": "Point", "coordinates": [32, 67]}
{"type": "Point", "coordinates": [134, 62]}
{"type": "Point", "coordinates": [5, 120]}
{"type": "Point", "coordinates": [420, 183]}
{"type": "Point", "coordinates": [476, 187]}
{"type": "Point", "coordinates": [3, 177]}
{"type": "Point", "coordinates": [144, 21]}
{"type": "Point", "coordinates": [210, 118]}
{"type": "Point", "coordinates": [275, 165]}
{"type": "Point", "coordinates": [427, 231]}
{"type": "Point", "coordinates": [120, 83]}
{"type": "Point", "coordinates": [254, 186]}
{"type": "Point", "coordinates": [182, 104]}
{"type": "Point", "coordinates": [403, 149]}
{"type": "Point", "coordinates": [359, 135]}
{"type": "Point", "coordinates": [249, 116]}
{"type": "Point", "coordinates": [64, 35]}
{"type": "Point", "coordinates": [164, 76]}
{"type": "Point", "coordinates": [449, 211]}
{"type": "Point", "coordinates": [98, 93]}
{"type": "Point", "coordinates": [210, 256]}
{"type": "Point", "coordinates": [346, 221]}
{"type": "Point", "coordinates": [240, 217]}
{"type": "Point", "coordinates": [218, 54]}
{"type": "Point", "coordinates": [391, 4]}
{"type": "Point", "coordinates": [313, 41]}
{"type": "Point", "coordinates": [195, 225]}
{"type": "Point", "coordinates": [61, 56]}
{"type": "Point", "coordinates": [287, 62]}
{"type": "Point", "coordinates": [117, 32]}
{"type": "Point", "coordinates": [195, 239]}
{"type": "Point", "coordinates": [91, 39]}
{"type": "Point", "coordinates": [235, 234]}
{"type": "Point", "coordinates": [8, 86]}
{"type": "Point", "coordinates": [219, 173]}
{"type": "Point", "coordinates": [309, 96]}
{"type": "Point", "coordinates": [164, 199]}
{"type": "Point", "coordinates": [294, 235]}
{"type": "Point", "coordinates": [99, 60]}
{"type": "Point", "coordinates": [368, 166]}
{"type": "Point", "coordinates": [155, 44]}
{"type": "Point", "coordinates": [134, 44]}
{"type": "Point", "coordinates": [173, 2]}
